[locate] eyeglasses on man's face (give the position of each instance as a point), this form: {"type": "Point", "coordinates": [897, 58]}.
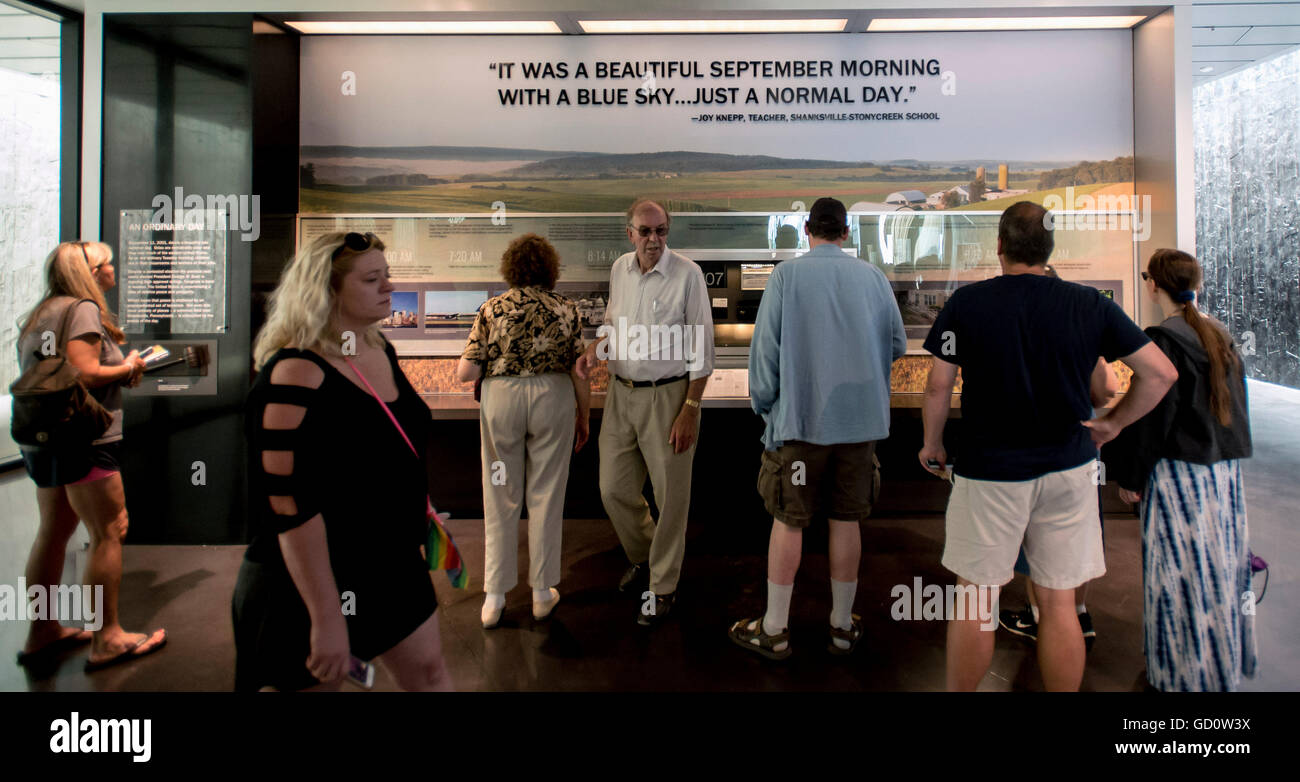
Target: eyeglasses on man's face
{"type": "Point", "coordinates": [644, 231]}
{"type": "Point", "coordinates": [1146, 276]}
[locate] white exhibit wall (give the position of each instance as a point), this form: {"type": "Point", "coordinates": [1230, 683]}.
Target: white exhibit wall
{"type": "Point", "coordinates": [29, 198]}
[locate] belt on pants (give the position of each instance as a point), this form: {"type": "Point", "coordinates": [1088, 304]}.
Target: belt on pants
{"type": "Point", "coordinates": [648, 383]}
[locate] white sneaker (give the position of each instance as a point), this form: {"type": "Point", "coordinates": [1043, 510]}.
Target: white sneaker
{"type": "Point", "coordinates": [491, 614]}
{"type": "Point", "coordinates": [542, 610]}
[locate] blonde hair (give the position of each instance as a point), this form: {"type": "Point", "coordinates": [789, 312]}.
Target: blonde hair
{"type": "Point", "coordinates": [300, 311]}
{"type": "Point", "coordinates": [67, 273]}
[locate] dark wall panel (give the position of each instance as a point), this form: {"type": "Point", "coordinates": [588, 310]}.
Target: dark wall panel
{"type": "Point", "coordinates": [178, 112]}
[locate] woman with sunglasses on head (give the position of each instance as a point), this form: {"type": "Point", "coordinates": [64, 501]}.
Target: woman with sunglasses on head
{"type": "Point", "coordinates": [1181, 462]}
{"type": "Point", "coordinates": [82, 482]}
{"type": "Point", "coordinates": [334, 571]}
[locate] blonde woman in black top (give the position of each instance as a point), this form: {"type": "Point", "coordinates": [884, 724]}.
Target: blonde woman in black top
{"type": "Point", "coordinates": [525, 343]}
{"type": "Point", "coordinates": [334, 570]}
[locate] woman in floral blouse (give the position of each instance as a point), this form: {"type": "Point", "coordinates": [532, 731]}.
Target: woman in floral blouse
{"type": "Point", "coordinates": [524, 345]}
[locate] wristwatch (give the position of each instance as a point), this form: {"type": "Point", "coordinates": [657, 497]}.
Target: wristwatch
{"type": "Point", "coordinates": [692, 402]}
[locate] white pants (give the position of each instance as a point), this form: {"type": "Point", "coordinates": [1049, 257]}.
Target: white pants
{"type": "Point", "coordinates": [526, 426]}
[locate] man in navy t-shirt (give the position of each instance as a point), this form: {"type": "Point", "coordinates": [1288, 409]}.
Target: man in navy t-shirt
{"type": "Point", "coordinates": [1024, 466]}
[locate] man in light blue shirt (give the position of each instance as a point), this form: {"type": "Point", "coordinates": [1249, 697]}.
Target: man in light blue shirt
{"type": "Point", "coordinates": [827, 332]}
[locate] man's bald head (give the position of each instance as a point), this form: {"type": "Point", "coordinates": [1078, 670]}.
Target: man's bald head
{"type": "Point", "coordinates": [656, 209]}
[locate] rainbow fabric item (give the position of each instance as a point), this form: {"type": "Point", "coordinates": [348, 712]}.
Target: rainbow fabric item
{"type": "Point", "coordinates": [441, 553]}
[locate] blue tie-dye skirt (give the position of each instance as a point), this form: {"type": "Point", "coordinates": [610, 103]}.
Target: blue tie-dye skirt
{"type": "Point", "coordinates": [1199, 617]}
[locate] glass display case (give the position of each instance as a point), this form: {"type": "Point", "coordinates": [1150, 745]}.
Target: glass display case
{"type": "Point", "coordinates": [445, 265]}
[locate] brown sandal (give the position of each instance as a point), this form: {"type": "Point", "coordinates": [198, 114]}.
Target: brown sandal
{"type": "Point", "coordinates": [749, 634]}
{"type": "Point", "coordinates": [851, 635]}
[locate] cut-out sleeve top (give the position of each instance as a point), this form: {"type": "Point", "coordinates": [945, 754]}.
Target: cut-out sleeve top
{"type": "Point", "coordinates": [349, 464]}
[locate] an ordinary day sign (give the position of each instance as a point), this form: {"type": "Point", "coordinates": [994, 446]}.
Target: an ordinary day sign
{"type": "Point", "coordinates": [173, 272]}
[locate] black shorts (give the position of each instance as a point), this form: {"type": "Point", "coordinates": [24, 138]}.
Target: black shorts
{"type": "Point", "coordinates": [51, 468]}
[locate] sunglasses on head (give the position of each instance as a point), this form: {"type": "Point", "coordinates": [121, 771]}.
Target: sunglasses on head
{"type": "Point", "coordinates": [356, 242]}
{"type": "Point", "coordinates": [92, 266]}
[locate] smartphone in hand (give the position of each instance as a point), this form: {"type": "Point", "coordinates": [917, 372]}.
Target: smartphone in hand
{"type": "Point", "coordinates": [361, 673]}
{"type": "Point", "coordinates": [934, 464]}
{"type": "Point", "coordinates": [154, 354]}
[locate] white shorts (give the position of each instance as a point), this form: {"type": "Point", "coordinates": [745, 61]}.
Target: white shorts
{"type": "Point", "coordinates": [1055, 515]}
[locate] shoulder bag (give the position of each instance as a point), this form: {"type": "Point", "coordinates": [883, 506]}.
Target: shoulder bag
{"type": "Point", "coordinates": [52, 407]}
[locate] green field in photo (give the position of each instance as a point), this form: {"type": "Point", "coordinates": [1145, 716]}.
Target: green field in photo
{"type": "Point", "coordinates": [731, 191]}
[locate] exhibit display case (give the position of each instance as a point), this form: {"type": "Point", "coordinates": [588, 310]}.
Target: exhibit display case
{"type": "Point", "coordinates": [445, 266]}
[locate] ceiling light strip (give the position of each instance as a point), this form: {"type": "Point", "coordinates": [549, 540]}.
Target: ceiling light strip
{"type": "Point", "coordinates": [1002, 23]}
{"type": "Point", "coordinates": [498, 27]}
{"type": "Point", "coordinates": [645, 26]}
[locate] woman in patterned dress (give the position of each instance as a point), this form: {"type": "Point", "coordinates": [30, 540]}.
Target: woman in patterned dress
{"type": "Point", "coordinates": [1181, 462]}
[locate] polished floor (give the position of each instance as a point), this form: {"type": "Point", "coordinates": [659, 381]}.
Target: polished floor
{"type": "Point", "coordinates": [594, 644]}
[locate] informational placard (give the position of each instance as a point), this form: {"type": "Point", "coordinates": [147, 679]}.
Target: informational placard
{"type": "Point", "coordinates": [172, 276]}
{"type": "Point", "coordinates": [727, 383]}
{"type": "Point", "coordinates": [468, 248]}
{"type": "Point", "coordinates": [754, 276]}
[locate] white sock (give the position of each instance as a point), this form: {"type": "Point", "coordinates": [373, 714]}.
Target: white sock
{"type": "Point", "coordinates": [842, 595]}
{"type": "Point", "coordinates": [491, 603]}
{"type": "Point", "coordinates": [777, 618]}
{"type": "Point", "coordinates": [1034, 611]}
{"type": "Point", "coordinates": [1081, 609]}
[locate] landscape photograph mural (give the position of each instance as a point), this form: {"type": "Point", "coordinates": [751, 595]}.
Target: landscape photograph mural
{"type": "Point", "coordinates": [746, 124]}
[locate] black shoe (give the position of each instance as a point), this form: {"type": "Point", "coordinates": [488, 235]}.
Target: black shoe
{"type": "Point", "coordinates": [1089, 634]}
{"type": "Point", "coordinates": [636, 576]}
{"type": "Point", "coordinates": [652, 613]}
{"type": "Point", "coordinates": [1020, 622]}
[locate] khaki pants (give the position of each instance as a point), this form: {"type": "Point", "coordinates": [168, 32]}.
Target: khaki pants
{"type": "Point", "coordinates": [633, 443]}
{"type": "Point", "coordinates": [526, 425]}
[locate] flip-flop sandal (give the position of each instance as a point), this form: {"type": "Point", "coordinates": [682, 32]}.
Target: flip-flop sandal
{"type": "Point", "coordinates": [851, 635]}
{"type": "Point", "coordinates": [129, 654]}
{"type": "Point", "coordinates": [54, 648]}
{"type": "Point", "coordinates": [748, 634]}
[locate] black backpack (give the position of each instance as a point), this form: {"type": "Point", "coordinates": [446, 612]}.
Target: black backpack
{"type": "Point", "coordinates": [52, 407]}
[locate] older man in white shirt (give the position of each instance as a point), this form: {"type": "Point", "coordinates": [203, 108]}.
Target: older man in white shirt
{"type": "Point", "coordinates": [658, 339]}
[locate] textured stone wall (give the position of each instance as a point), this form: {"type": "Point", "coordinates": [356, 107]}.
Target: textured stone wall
{"type": "Point", "coordinates": [29, 200]}
{"type": "Point", "coordinates": [1248, 211]}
